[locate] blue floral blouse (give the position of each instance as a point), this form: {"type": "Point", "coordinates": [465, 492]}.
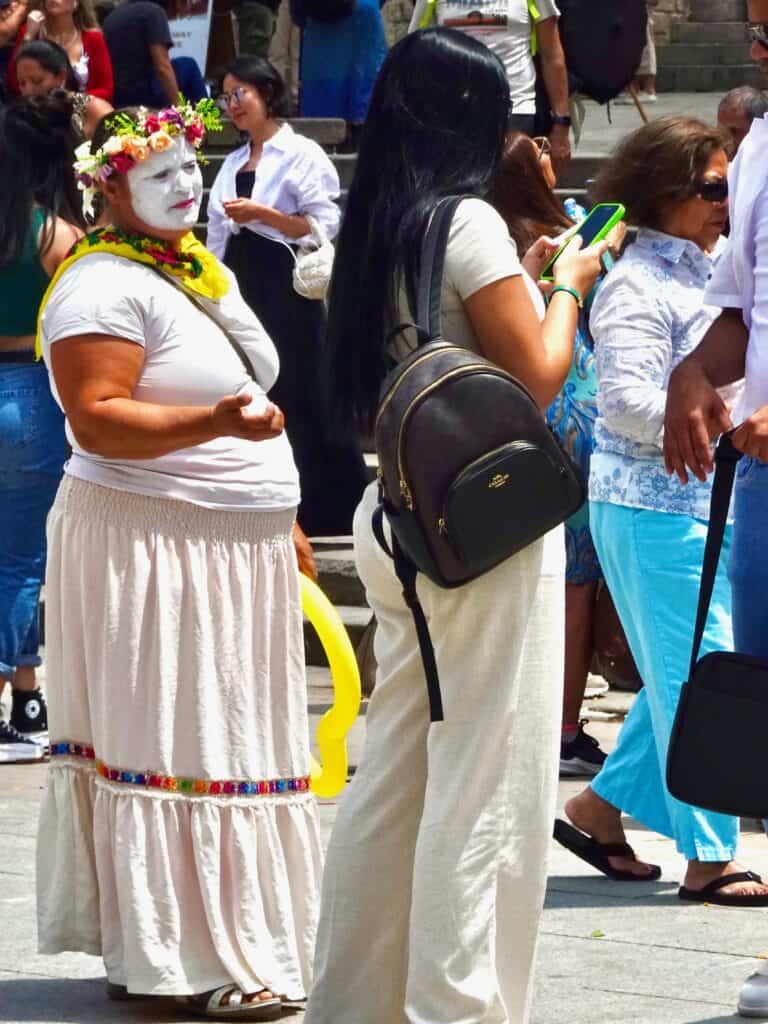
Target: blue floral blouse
{"type": "Point", "coordinates": [648, 315]}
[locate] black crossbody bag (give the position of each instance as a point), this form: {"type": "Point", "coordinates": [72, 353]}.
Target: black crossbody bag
{"type": "Point", "coordinates": [716, 757]}
{"type": "Point", "coordinates": [469, 471]}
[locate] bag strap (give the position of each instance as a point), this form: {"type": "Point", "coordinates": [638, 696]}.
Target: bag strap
{"type": "Point", "coordinates": [726, 459]}
{"type": "Point", "coordinates": [433, 247]}
{"type": "Point", "coordinates": [239, 350]}
{"type": "Point", "coordinates": [406, 572]}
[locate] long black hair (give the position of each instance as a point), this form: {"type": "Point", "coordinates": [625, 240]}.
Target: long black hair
{"type": "Point", "coordinates": [51, 57]}
{"type": "Point", "coordinates": [36, 154]}
{"type": "Point", "coordinates": [435, 127]}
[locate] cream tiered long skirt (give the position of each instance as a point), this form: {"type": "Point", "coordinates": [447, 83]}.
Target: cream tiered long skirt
{"type": "Point", "coordinates": [178, 838]}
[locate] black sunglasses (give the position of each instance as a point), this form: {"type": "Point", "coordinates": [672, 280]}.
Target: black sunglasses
{"type": "Point", "coordinates": [757, 32]}
{"type": "Point", "coordinates": [713, 191]}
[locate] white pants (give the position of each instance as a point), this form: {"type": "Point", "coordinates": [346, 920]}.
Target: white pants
{"type": "Point", "coordinates": [436, 870]}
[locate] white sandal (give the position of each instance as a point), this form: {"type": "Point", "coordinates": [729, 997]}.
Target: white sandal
{"type": "Point", "coordinates": [211, 1005]}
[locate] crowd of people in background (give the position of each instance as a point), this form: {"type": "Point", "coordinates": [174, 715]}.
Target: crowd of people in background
{"type": "Point", "coordinates": [196, 419]}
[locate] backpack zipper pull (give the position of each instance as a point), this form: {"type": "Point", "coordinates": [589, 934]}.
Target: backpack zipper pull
{"type": "Point", "coordinates": [406, 495]}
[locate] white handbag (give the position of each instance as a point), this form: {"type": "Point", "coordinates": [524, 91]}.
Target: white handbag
{"type": "Point", "coordinates": [314, 263]}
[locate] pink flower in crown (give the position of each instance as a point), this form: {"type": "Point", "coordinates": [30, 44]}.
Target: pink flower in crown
{"type": "Point", "coordinates": [194, 132]}
{"type": "Point", "coordinates": [152, 124]}
{"type": "Point", "coordinates": [122, 162]}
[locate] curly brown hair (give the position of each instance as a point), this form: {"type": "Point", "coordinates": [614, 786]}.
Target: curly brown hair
{"type": "Point", "coordinates": [659, 164]}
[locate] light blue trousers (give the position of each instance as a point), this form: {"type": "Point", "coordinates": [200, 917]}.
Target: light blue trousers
{"type": "Point", "coordinates": [652, 565]}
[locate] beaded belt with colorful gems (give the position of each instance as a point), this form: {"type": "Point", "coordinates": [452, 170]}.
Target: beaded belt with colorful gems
{"type": "Point", "coordinates": [172, 784]}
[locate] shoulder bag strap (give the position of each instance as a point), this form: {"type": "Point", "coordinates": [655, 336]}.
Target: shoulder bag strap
{"type": "Point", "coordinates": [726, 459]}
{"type": "Point", "coordinates": [433, 249]}
{"type": "Point", "coordinates": [239, 350]}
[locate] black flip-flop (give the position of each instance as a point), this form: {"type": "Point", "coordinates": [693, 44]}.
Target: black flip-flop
{"type": "Point", "coordinates": [711, 892]}
{"type": "Point", "coordinates": [597, 854]}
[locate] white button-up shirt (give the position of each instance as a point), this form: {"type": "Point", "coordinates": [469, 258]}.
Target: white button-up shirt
{"type": "Point", "coordinates": [648, 315]}
{"type": "Point", "coordinates": [740, 280]}
{"type": "Point", "coordinates": [294, 175]}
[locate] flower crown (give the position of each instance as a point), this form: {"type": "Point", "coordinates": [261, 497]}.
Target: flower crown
{"type": "Point", "coordinates": [135, 139]}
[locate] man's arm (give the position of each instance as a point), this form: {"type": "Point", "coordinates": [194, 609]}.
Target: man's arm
{"type": "Point", "coordinates": [555, 76]}
{"type": "Point", "coordinates": [164, 71]}
{"type": "Point", "coordinates": [695, 412]}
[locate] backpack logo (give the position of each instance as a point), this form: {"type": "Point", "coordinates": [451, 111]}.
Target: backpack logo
{"type": "Point", "coordinates": [498, 481]}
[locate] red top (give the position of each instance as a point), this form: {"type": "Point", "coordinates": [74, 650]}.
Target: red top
{"type": "Point", "coordinates": [99, 65]}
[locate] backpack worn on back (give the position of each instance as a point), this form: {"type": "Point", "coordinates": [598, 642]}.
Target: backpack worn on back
{"type": "Point", "coordinates": [469, 471]}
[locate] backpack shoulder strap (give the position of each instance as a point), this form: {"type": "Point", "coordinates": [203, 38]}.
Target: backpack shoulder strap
{"type": "Point", "coordinates": [433, 247]}
{"type": "Point", "coordinates": [535, 16]}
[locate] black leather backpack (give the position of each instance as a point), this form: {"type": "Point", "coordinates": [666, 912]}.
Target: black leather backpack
{"type": "Point", "coordinates": [469, 471]}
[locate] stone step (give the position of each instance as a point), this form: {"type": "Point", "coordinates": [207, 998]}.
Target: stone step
{"type": "Point", "coordinates": [707, 78]}
{"type": "Point", "coordinates": [718, 10]}
{"type": "Point", "coordinates": [703, 54]}
{"type": "Point", "coordinates": [709, 32]}
{"type": "Point", "coordinates": [338, 576]}
{"type": "Point", "coordinates": [355, 620]}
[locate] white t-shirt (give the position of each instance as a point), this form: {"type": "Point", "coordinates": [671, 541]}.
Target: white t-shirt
{"type": "Point", "coordinates": [188, 361]}
{"type": "Point", "coordinates": [479, 252]}
{"type": "Point", "coordinates": [505, 28]}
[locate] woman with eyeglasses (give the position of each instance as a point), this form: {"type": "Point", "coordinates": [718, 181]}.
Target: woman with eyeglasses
{"type": "Point", "coordinates": [649, 530]}
{"type": "Point", "coordinates": [524, 195]}
{"type": "Point", "coordinates": [257, 217]}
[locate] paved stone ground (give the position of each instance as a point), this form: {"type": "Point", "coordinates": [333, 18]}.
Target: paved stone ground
{"type": "Point", "coordinates": [608, 955]}
{"type": "Point", "coordinates": [600, 135]}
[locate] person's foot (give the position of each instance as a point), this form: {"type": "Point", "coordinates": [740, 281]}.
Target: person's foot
{"type": "Point", "coordinates": [29, 714]}
{"type": "Point", "coordinates": [701, 873]}
{"type": "Point", "coordinates": [647, 97]}
{"type": "Point", "coordinates": [753, 997]}
{"type": "Point", "coordinates": [18, 749]}
{"type": "Point", "coordinates": [580, 754]}
{"type": "Point", "coordinates": [601, 821]}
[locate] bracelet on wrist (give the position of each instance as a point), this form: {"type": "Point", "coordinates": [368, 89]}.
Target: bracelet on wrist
{"type": "Point", "coordinates": [568, 291]}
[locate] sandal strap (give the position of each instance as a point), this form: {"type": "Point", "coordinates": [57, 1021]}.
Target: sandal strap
{"type": "Point", "coordinates": [615, 849]}
{"type": "Point", "coordinates": [732, 879]}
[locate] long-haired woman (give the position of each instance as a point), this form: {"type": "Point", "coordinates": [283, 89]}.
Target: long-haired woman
{"type": "Point", "coordinates": [73, 25]}
{"type": "Point", "coordinates": [437, 863]}
{"type": "Point", "coordinates": [39, 218]}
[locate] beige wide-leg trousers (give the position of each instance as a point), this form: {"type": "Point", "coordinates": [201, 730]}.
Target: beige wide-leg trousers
{"type": "Point", "coordinates": [437, 865]}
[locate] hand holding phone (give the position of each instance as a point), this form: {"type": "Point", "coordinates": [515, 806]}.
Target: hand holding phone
{"type": "Point", "coordinates": [598, 223]}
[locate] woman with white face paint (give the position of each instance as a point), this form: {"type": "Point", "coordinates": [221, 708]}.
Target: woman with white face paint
{"type": "Point", "coordinates": [178, 837]}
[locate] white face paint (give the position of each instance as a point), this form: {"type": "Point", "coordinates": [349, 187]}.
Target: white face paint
{"type": "Point", "coordinates": [167, 188]}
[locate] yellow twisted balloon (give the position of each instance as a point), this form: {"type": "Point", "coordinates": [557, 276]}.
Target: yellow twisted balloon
{"type": "Point", "coordinates": [328, 777]}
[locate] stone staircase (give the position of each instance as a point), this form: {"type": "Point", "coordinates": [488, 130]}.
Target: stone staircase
{"type": "Point", "coordinates": [710, 52]}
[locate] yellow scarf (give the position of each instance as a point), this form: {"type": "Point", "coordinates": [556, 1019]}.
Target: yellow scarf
{"type": "Point", "coordinates": [198, 269]}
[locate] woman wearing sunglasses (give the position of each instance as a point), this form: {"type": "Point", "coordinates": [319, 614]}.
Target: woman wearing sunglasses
{"type": "Point", "coordinates": [648, 529]}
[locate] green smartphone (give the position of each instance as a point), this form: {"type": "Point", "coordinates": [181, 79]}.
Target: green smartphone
{"type": "Point", "coordinates": [595, 226]}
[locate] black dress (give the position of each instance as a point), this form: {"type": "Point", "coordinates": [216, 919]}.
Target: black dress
{"type": "Point", "coordinates": [332, 474]}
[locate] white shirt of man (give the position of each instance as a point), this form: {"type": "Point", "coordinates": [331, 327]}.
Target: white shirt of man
{"type": "Point", "coordinates": [505, 28]}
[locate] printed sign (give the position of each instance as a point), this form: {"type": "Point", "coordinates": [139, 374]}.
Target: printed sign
{"type": "Point", "coordinates": [190, 29]}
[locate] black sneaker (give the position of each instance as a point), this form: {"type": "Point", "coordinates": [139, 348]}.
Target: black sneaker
{"type": "Point", "coordinates": [15, 748]}
{"type": "Point", "coordinates": [581, 755]}
{"type": "Point", "coordinates": [29, 715]}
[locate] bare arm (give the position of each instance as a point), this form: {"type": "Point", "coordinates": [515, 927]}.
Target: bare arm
{"type": "Point", "coordinates": [64, 237]}
{"type": "Point", "coordinates": [511, 335]}
{"type": "Point", "coordinates": [165, 72]}
{"type": "Point", "coordinates": [96, 376]}
{"type": "Point", "coordinates": [695, 412]}
{"type": "Point", "coordinates": [555, 76]}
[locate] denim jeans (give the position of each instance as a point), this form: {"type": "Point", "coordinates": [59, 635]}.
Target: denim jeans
{"type": "Point", "coordinates": [748, 567]}
{"type": "Point", "coordinates": [32, 453]}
